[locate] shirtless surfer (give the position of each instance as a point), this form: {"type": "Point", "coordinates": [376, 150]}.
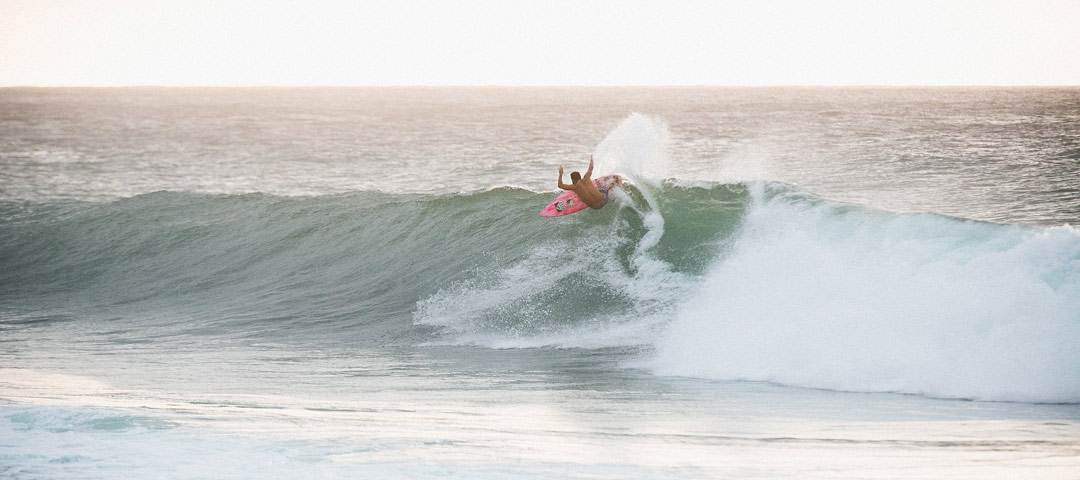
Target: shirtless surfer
{"type": "Point", "coordinates": [585, 188]}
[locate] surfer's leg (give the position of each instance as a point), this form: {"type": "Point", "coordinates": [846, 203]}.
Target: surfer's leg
{"type": "Point", "coordinates": [603, 202]}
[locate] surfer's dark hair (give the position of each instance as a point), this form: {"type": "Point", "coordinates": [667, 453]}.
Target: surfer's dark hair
{"type": "Point", "coordinates": [574, 177]}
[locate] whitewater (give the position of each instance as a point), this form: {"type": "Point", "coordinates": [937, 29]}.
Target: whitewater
{"type": "Point", "coordinates": [337, 282]}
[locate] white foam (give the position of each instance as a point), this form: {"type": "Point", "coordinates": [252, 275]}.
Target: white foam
{"type": "Point", "coordinates": [459, 306]}
{"type": "Point", "coordinates": [506, 307]}
{"type": "Point", "coordinates": [823, 295]}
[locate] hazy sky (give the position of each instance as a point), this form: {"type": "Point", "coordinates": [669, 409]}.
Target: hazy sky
{"type": "Point", "coordinates": [507, 42]}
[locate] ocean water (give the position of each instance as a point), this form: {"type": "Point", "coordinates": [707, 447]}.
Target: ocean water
{"type": "Point", "coordinates": [355, 283]}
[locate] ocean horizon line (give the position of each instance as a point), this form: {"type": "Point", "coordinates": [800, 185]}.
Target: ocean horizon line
{"type": "Point", "coordinates": [526, 86]}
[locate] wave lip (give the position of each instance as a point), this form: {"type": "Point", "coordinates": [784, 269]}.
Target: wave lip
{"type": "Point", "coordinates": [823, 295]}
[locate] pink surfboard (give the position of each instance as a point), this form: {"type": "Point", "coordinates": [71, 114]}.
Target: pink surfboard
{"type": "Point", "coordinates": [568, 202]}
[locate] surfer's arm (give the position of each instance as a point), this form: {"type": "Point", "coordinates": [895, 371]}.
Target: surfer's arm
{"type": "Point", "coordinates": [588, 173]}
{"type": "Point", "coordinates": [563, 185]}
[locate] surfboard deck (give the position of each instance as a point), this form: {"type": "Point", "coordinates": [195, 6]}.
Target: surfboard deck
{"type": "Point", "coordinates": [568, 201]}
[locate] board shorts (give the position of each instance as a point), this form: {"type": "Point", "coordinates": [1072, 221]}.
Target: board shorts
{"type": "Point", "coordinates": [603, 191]}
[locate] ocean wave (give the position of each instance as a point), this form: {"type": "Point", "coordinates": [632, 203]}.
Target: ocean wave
{"type": "Point", "coordinates": [755, 281]}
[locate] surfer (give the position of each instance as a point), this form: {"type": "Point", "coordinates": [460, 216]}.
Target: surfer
{"type": "Point", "coordinates": [584, 188]}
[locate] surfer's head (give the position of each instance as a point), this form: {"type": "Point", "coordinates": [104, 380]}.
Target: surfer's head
{"type": "Point", "coordinates": [574, 177]}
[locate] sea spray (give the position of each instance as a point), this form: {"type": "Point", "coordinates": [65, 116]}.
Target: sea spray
{"type": "Point", "coordinates": [827, 295]}
{"type": "Point", "coordinates": [639, 147]}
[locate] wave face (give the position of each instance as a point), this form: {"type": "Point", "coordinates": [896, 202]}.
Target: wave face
{"type": "Point", "coordinates": [752, 281]}
{"type": "Point", "coordinates": [222, 264]}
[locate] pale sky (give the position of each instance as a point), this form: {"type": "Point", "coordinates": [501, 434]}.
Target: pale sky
{"type": "Point", "coordinates": [506, 42]}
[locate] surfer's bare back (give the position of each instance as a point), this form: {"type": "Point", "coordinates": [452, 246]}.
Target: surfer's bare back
{"type": "Point", "coordinates": [584, 187]}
